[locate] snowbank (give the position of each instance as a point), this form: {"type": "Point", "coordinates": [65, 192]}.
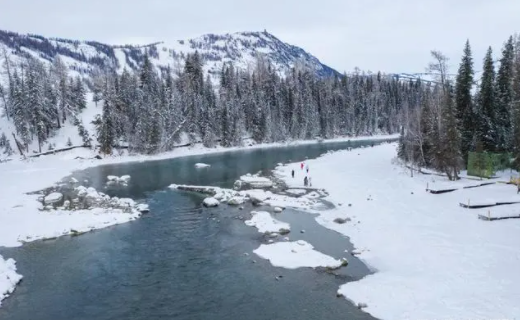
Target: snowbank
{"type": "Point", "coordinates": [296, 192]}
{"type": "Point", "coordinates": [8, 277]}
{"type": "Point", "coordinates": [296, 254]}
{"type": "Point", "coordinates": [263, 221]}
{"type": "Point", "coordinates": [414, 239]}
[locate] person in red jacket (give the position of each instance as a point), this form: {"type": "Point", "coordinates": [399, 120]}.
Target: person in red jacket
{"type": "Point", "coordinates": [301, 165]}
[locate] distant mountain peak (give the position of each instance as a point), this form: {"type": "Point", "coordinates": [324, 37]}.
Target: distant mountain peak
{"type": "Point", "coordinates": [239, 48]}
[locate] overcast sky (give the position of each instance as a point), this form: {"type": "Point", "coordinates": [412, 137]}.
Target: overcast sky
{"type": "Point", "coordinates": [386, 35]}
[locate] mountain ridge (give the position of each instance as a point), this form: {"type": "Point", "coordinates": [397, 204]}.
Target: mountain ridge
{"type": "Point", "coordinates": [239, 48]}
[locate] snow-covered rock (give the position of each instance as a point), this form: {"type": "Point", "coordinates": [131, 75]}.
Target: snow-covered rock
{"type": "Point", "coordinates": [53, 198]}
{"type": "Point", "coordinates": [238, 185]}
{"type": "Point", "coordinates": [255, 181]}
{"type": "Point", "coordinates": [143, 208]}
{"type": "Point", "coordinates": [236, 200]}
{"type": "Point", "coordinates": [265, 223]}
{"type": "Point", "coordinates": [211, 202]}
{"type": "Point", "coordinates": [125, 202]}
{"type": "Point", "coordinates": [295, 254]}
{"type": "Point", "coordinates": [113, 180]}
{"type": "Point", "coordinates": [257, 196]}
{"type": "Point", "coordinates": [202, 165]}
{"type": "Point", "coordinates": [277, 209]}
{"type": "Point", "coordinates": [82, 191]}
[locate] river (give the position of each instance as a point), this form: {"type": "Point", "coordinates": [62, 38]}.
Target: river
{"type": "Point", "coordinates": [182, 261]}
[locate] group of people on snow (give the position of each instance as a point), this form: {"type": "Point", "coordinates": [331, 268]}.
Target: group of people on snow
{"type": "Point", "coordinates": [307, 180]}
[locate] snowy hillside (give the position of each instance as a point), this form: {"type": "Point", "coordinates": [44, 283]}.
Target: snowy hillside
{"type": "Point", "coordinates": [85, 58]}
{"type": "Point", "coordinates": [240, 48]}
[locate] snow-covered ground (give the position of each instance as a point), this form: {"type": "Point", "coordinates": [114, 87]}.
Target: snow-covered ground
{"type": "Point", "coordinates": [433, 259]}
{"type": "Point", "coordinates": [296, 254]}
{"type": "Point", "coordinates": [20, 219]}
{"type": "Point", "coordinates": [265, 223]}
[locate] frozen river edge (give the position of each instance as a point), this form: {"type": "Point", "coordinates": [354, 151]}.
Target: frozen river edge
{"type": "Point", "coordinates": [20, 218]}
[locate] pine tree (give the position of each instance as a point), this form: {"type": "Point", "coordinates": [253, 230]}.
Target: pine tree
{"type": "Point", "coordinates": [401, 147]}
{"type": "Point", "coordinates": [106, 132]}
{"type": "Point", "coordinates": [5, 145]}
{"type": "Point", "coordinates": [516, 105]}
{"type": "Point", "coordinates": [21, 114]}
{"type": "Point", "coordinates": [464, 101]}
{"type": "Point", "coordinates": [486, 113]}
{"type": "Point", "coordinates": [59, 72]}
{"type": "Point", "coordinates": [450, 138]}
{"type": "Point", "coordinates": [35, 102]}
{"type": "Point", "coordinates": [504, 98]}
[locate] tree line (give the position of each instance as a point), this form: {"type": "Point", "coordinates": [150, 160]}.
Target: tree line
{"type": "Point", "coordinates": [152, 111]}
{"type": "Point", "coordinates": [38, 100]}
{"type": "Point", "coordinates": [456, 117]}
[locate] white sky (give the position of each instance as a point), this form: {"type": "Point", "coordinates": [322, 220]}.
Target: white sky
{"type": "Point", "coordinates": [386, 35]}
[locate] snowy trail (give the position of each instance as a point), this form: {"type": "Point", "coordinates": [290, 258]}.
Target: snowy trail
{"type": "Point", "coordinates": [435, 259]}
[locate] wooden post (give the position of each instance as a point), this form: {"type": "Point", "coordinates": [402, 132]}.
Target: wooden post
{"type": "Point", "coordinates": [468, 203]}
{"type": "Point", "coordinates": [489, 215]}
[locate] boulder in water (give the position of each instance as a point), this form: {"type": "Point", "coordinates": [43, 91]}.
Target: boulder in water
{"type": "Point", "coordinates": [210, 202]}
{"type": "Point", "coordinates": [235, 201]}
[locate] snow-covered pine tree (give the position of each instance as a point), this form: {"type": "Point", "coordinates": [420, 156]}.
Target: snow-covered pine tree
{"type": "Point", "coordinates": [486, 113]}
{"type": "Point", "coordinates": [451, 158]}
{"type": "Point", "coordinates": [5, 146]}
{"type": "Point", "coordinates": [36, 101]}
{"type": "Point", "coordinates": [208, 115]}
{"type": "Point", "coordinates": [21, 114]}
{"type": "Point", "coordinates": [464, 101]}
{"type": "Point", "coordinates": [79, 95]}
{"type": "Point", "coordinates": [59, 76]}
{"type": "Point", "coordinates": [504, 98]}
{"type": "Point", "coordinates": [106, 129]}
{"type": "Point", "coordinates": [3, 101]}
{"type": "Point", "coordinates": [516, 104]}
{"type": "Point", "coordinates": [105, 125]}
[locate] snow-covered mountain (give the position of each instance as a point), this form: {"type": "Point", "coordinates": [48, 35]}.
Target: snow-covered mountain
{"type": "Point", "coordinates": [82, 58]}
{"type": "Point", "coordinates": [240, 48]}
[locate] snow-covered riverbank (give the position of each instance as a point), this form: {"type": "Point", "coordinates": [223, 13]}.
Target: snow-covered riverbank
{"type": "Point", "coordinates": [432, 258]}
{"type": "Point", "coordinates": [21, 221]}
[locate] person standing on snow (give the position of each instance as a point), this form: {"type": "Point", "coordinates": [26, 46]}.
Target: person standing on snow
{"type": "Point", "coordinates": [307, 167]}
{"type": "Point", "coordinates": [305, 181]}
{"type": "Point", "coordinates": [301, 165]}
{"type": "Point", "coordinates": [292, 173]}
{"type": "Point", "coordinates": [310, 183]}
